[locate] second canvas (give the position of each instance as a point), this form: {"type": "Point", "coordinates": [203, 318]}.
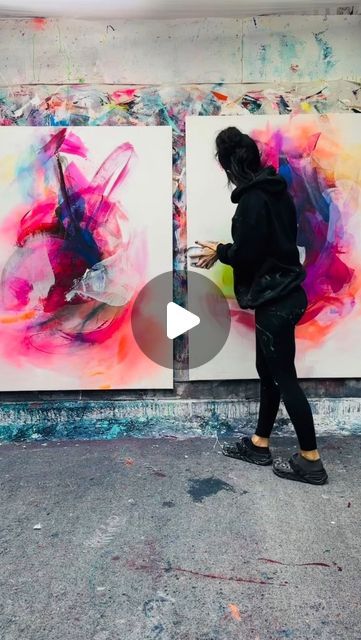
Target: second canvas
{"type": "Point", "coordinates": [320, 157]}
{"type": "Point", "coordinates": [85, 223]}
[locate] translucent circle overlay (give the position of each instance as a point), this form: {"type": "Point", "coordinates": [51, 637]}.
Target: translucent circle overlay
{"type": "Point", "coordinates": [203, 298]}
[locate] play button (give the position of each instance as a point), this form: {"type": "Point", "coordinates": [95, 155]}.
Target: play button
{"type": "Point", "coordinates": [179, 320]}
{"type": "Point", "coordinates": [171, 305]}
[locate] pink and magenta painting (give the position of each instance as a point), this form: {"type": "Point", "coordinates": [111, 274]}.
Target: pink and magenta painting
{"type": "Point", "coordinates": [320, 157]}
{"type": "Point", "coordinates": [83, 214]}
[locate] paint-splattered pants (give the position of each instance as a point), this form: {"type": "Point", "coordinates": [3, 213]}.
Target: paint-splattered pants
{"type": "Point", "coordinates": [275, 362]}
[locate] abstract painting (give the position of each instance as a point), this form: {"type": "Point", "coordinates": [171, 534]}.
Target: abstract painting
{"type": "Point", "coordinates": [320, 157]}
{"type": "Point", "coordinates": [84, 212]}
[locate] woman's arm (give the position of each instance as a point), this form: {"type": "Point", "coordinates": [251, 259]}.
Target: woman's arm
{"type": "Point", "coordinates": [249, 232]}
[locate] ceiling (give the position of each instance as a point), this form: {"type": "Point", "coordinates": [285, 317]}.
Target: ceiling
{"type": "Point", "coordinates": [159, 8]}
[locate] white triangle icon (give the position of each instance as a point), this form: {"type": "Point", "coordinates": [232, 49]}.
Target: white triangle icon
{"type": "Point", "coordinates": [179, 320]}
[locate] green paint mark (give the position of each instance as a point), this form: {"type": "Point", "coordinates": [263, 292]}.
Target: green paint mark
{"type": "Point", "coordinates": [222, 276]}
{"type": "Point", "coordinates": [64, 53]}
{"type": "Point", "coordinates": [33, 51]}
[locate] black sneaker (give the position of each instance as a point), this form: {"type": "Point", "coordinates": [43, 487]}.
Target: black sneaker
{"type": "Point", "coordinates": [299, 469]}
{"type": "Point", "coordinates": [244, 449]}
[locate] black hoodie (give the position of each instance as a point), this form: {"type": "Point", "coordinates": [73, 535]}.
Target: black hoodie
{"type": "Point", "coordinates": [264, 253]}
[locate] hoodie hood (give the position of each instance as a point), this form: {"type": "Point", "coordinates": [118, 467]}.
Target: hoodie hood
{"type": "Point", "coordinates": [268, 180]}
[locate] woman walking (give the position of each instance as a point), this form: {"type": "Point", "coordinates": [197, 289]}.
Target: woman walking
{"type": "Point", "coordinates": [267, 278]}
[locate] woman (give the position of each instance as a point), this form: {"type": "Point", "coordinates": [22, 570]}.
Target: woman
{"type": "Point", "coordinates": [267, 278]}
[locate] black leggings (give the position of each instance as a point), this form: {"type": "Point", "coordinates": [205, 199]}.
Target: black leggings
{"type": "Point", "coordinates": [275, 356]}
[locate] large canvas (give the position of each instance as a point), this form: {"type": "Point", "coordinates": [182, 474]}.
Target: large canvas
{"type": "Point", "coordinates": [84, 213]}
{"type": "Point", "coordinates": [320, 157]}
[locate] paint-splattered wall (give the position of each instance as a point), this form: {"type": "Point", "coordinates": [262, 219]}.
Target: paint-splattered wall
{"type": "Point", "coordinates": [267, 49]}
{"type": "Point", "coordinates": [53, 73]}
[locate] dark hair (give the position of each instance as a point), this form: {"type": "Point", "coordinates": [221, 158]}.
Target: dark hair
{"type": "Point", "coordinates": [238, 155]}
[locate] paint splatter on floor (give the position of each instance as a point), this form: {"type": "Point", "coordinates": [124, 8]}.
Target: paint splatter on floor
{"type": "Point", "coordinates": [303, 564]}
{"type": "Point", "coordinates": [201, 488]}
{"type": "Point", "coordinates": [235, 612]}
{"type": "Point", "coordinates": [169, 569]}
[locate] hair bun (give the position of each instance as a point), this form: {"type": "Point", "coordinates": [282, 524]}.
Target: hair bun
{"type": "Point", "coordinates": [237, 154]}
{"type": "Point", "coordinates": [232, 140]}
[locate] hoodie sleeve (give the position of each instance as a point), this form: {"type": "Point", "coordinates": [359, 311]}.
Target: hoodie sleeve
{"type": "Point", "coordinates": [249, 232]}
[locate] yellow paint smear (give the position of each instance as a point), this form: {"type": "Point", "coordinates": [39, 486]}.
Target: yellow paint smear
{"type": "Point", "coordinates": [7, 168]}
{"type": "Point", "coordinates": [306, 107]}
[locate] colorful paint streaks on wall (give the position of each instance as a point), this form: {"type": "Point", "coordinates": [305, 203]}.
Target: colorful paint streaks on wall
{"type": "Point", "coordinates": [301, 48]}
{"type": "Point", "coordinates": [73, 258]}
{"type": "Point", "coordinates": [261, 49]}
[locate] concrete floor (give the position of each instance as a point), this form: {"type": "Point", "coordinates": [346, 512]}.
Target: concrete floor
{"type": "Point", "coordinates": [168, 539]}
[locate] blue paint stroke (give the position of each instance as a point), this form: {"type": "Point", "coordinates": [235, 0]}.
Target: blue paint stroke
{"type": "Point", "coordinates": [262, 56]}
{"type": "Point", "coordinates": [288, 51]}
{"type": "Point", "coordinates": [327, 56]}
{"type": "Point", "coordinates": [285, 633]}
{"type": "Point", "coordinates": [283, 106]}
{"type": "Point", "coordinates": [252, 104]}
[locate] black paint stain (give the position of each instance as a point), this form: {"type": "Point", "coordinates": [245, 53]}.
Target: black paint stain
{"type": "Point", "coordinates": [168, 503]}
{"type": "Point", "coordinates": [159, 474]}
{"type": "Point", "coordinates": [156, 472]}
{"type": "Point", "coordinates": [201, 488]}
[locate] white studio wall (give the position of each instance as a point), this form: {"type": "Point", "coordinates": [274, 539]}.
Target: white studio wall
{"type": "Point", "coordinates": [208, 50]}
{"type": "Point", "coordinates": [160, 9]}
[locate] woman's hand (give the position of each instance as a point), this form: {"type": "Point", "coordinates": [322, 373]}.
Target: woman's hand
{"type": "Point", "coordinates": [207, 257]}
